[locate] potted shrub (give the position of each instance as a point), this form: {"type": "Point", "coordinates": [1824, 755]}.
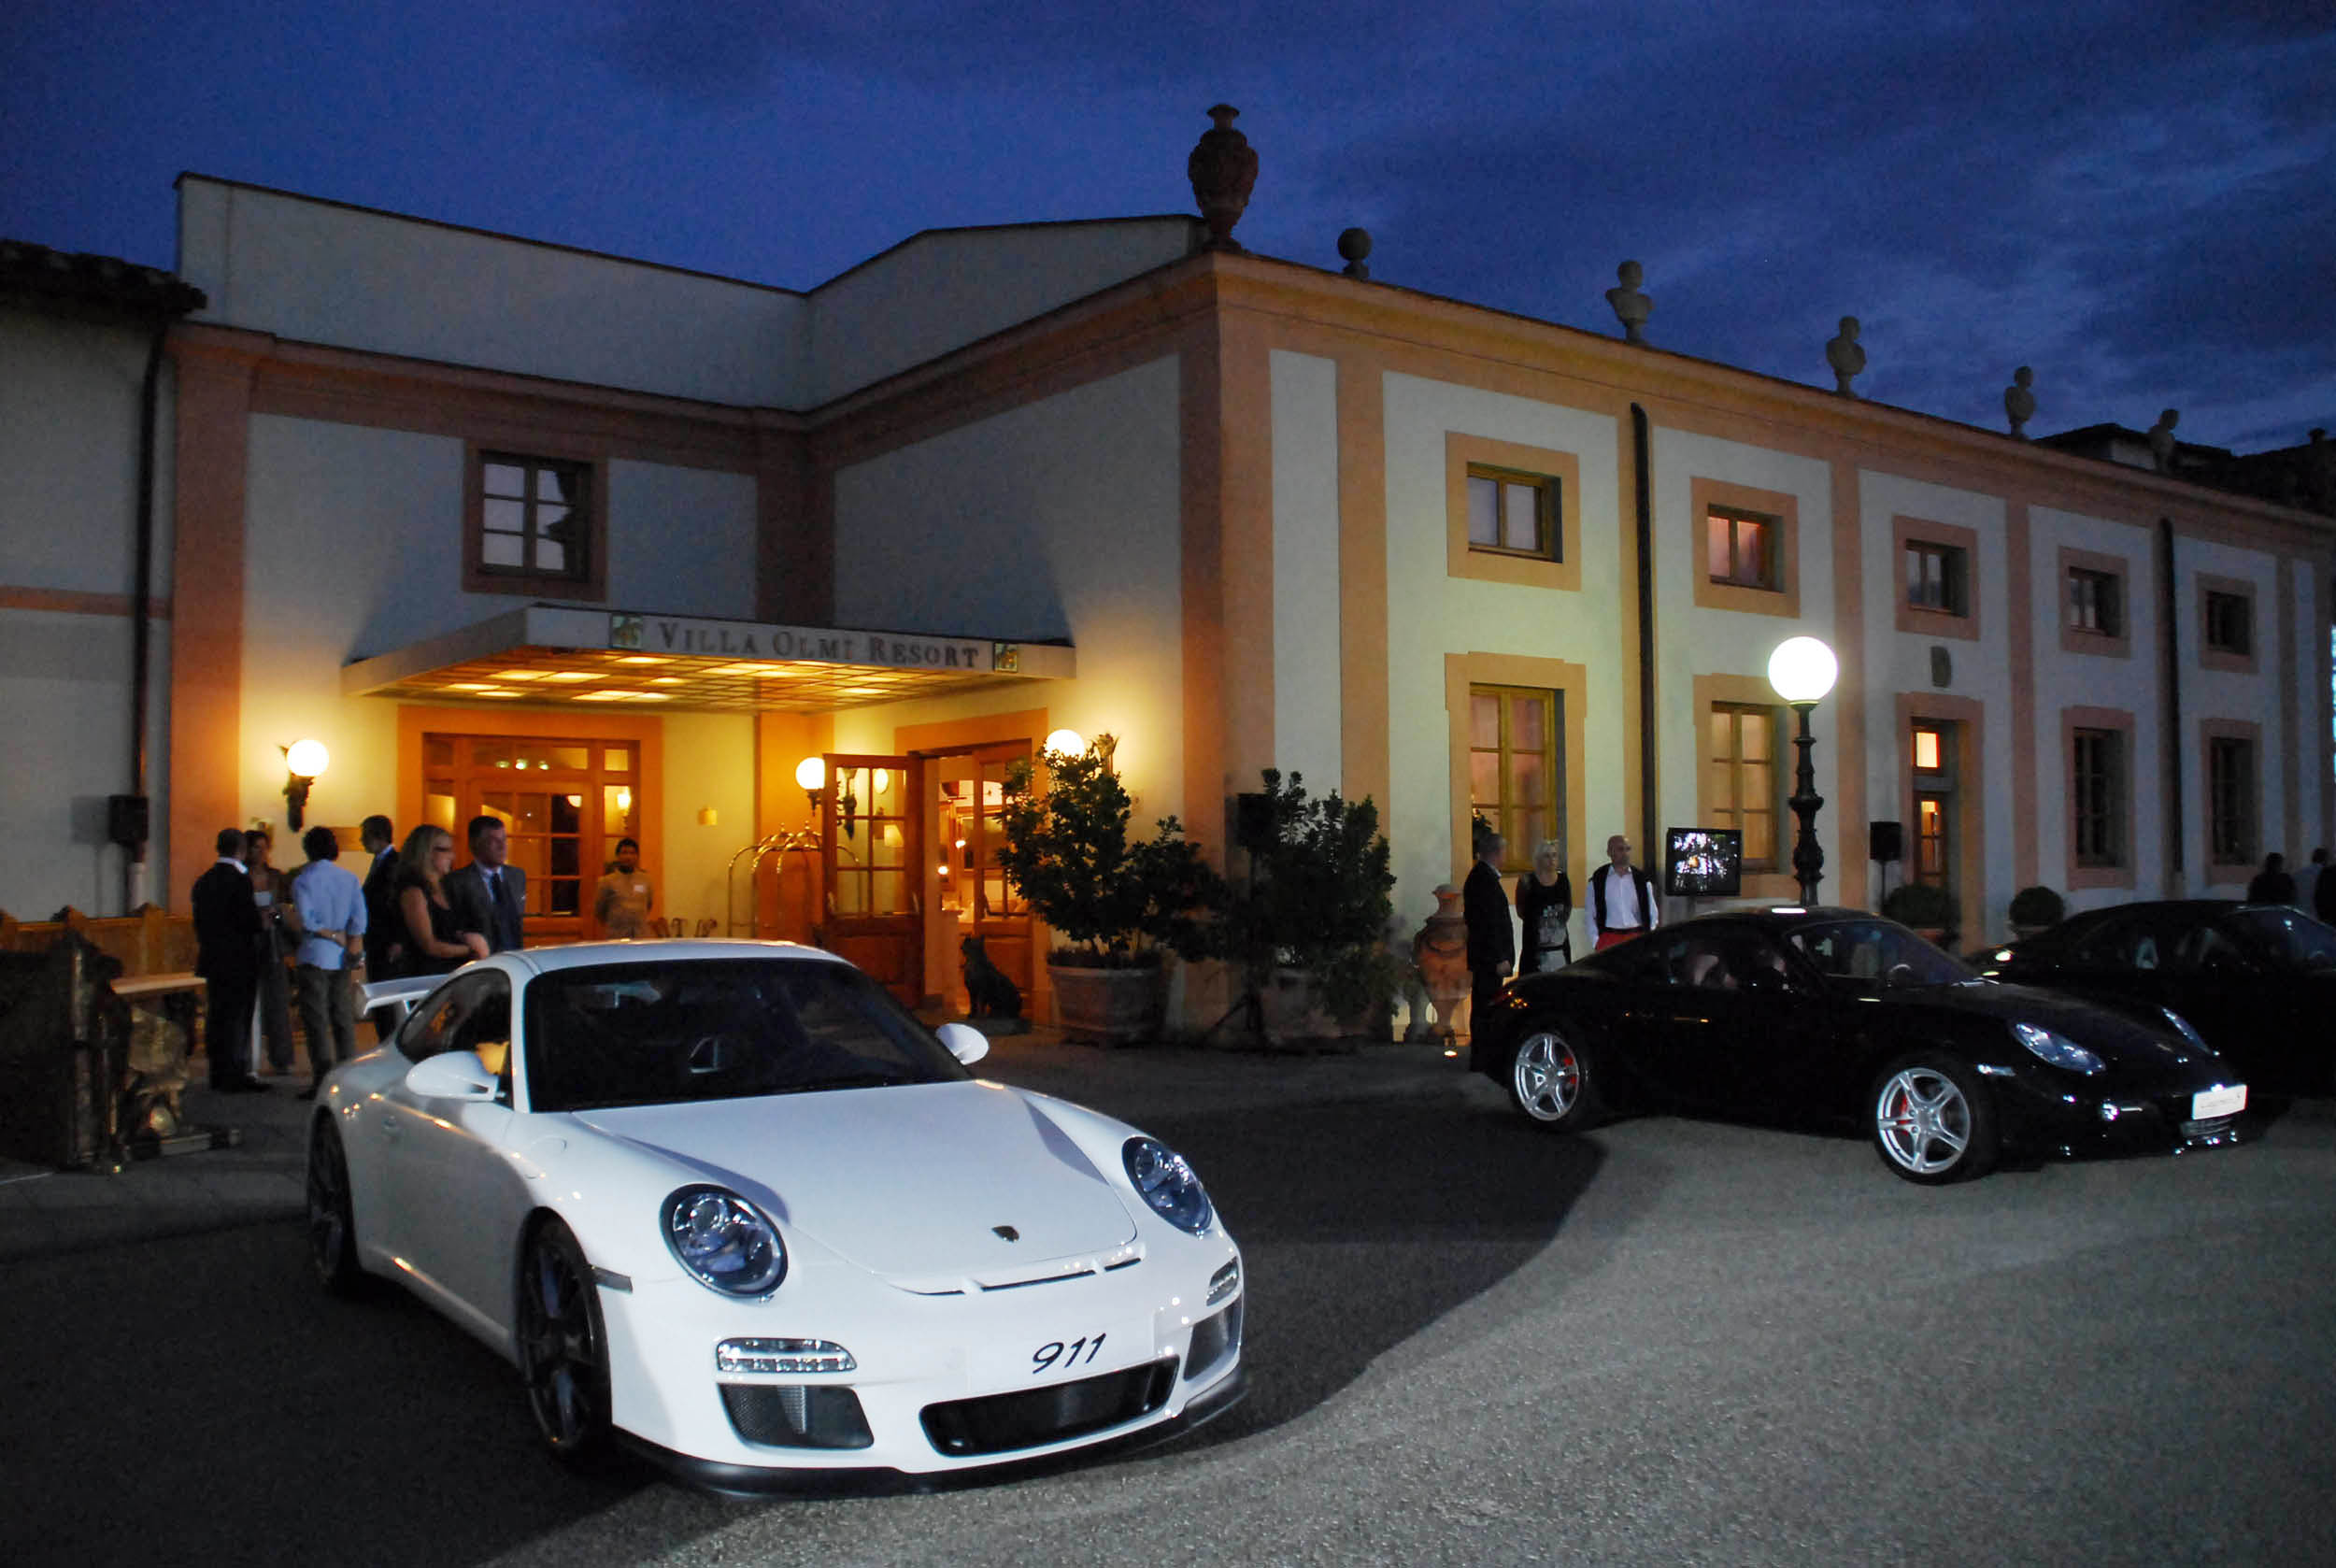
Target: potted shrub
{"type": "Point", "coordinates": [1307, 928]}
{"type": "Point", "coordinates": [1926, 907]}
{"type": "Point", "coordinates": [2035, 909]}
{"type": "Point", "coordinates": [1119, 905]}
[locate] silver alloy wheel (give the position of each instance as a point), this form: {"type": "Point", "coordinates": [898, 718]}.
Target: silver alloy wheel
{"type": "Point", "coordinates": [1923, 1122]}
{"type": "Point", "coordinates": [1547, 1077]}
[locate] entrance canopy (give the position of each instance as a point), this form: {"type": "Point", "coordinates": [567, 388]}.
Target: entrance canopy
{"type": "Point", "coordinates": [551, 656]}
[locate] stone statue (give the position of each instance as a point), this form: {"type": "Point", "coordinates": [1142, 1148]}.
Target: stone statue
{"type": "Point", "coordinates": [1630, 307]}
{"type": "Point", "coordinates": [2019, 402]}
{"type": "Point", "coordinates": [1223, 171]}
{"type": "Point", "coordinates": [1355, 246]}
{"type": "Point", "coordinates": [1847, 360]}
{"type": "Point", "coordinates": [2162, 439]}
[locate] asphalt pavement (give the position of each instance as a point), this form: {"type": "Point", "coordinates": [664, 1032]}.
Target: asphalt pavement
{"type": "Point", "coordinates": [1669, 1342]}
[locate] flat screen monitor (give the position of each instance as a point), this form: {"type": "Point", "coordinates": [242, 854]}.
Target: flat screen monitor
{"type": "Point", "coordinates": [1702, 862]}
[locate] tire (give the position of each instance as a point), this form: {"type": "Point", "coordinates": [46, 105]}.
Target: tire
{"type": "Point", "coordinates": [1931, 1121]}
{"type": "Point", "coordinates": [1552, 1081]}
{"type": "Point", "coordinates": [563, 1347]}
{"type": "Point", "coordinates": [331, 1217]}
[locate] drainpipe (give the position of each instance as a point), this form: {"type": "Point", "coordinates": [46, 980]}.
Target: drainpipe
{"type": "Point", "coordinates": [2168, 601]}
{"type": "Point", "coordinates": [141, 611]}
{"type": "Point", "coordinates": [1640, 440]}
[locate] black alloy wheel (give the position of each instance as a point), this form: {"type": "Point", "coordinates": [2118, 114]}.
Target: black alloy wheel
{"type": "Point", "coordinates": [562, 1349]}
{"type": "Point", "coordinates": [331, 1219]}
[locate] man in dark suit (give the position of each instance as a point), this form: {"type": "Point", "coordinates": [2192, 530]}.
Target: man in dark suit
{"type": "Point", "coordinates": [227, 932]}
{"type": "Point", "coordinates": [1491, 940]}
{"type": "Point", "coordinates": [488, 895]}
{"type": "Point", "coordinates": [385, 930]}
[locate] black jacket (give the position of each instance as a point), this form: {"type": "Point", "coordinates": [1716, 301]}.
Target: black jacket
{"type": "Point", "coordinates": [226, 925]}
{"type": "Point", "coordinates": [1485, 903]}
{"type": "Point", "coordinates": [384, 929]}
{"type": "Point", "coordinates": [475, 908]}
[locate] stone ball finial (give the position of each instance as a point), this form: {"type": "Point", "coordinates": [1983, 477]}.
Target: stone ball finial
{"type": "Point", "coordinates": [2019, 401]}
{"type": "Point", "coordinates": [1847, 360]}
{"type": "Point", "coordinates": [1631, 306]}
{"type": "Point", "coordinates": [2162, 439]}
{"type": "Point", "coordinates": [1223, 171]}
{"type": "Point", "coordinates": [1354, 244]}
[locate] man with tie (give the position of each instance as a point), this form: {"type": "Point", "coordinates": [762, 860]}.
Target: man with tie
{"type": "Point", "coordinates": [487, 894]}
{"type": "Point", "coordinates": [227, 933]}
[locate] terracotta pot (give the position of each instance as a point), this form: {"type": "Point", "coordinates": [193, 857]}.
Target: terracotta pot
{"type": "Point", "coordinates": [1441, 951]}
{"type": "Point", "coordinates": [1109, 1007]}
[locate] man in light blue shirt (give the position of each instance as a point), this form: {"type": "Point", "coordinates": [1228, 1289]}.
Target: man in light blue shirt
{"type": "Point", "coordinates": [330, 905]}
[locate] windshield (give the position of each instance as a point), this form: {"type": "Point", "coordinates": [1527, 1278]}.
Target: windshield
{"type": "Point", "coordinates": [1874, 951]}
{"type": "Point", "coordinates": [718, 1029]}
{"type": "Point", "coordinates": [2294, 940]}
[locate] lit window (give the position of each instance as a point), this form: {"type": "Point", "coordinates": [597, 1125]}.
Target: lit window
{"type": "Point", "coordinates": [1927, 750]}
{"type": "Point", "coordinates": [1742, 779]}
{"type": "Point", "coordinates": [1512, 512]}
{"type": "Point", "coordinates": [1742, 547]}
{"type": "Point", "coordinates": [1515, 773]}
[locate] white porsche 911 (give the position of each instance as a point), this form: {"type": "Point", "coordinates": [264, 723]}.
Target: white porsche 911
{"type": "Point", "coordinates": [728, 1203]}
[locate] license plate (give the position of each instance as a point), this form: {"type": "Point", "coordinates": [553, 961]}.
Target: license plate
{"type": "Point", "coordinates": [1075, 1352]}
{"type": "Point", "coordinates": [2210, 1102]}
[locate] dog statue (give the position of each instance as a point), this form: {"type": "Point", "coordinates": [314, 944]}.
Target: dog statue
{"type": "Point", "coordinates": [989, 992]}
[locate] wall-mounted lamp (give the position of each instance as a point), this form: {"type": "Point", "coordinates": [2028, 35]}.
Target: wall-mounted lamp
{"type": "Point", "coordinates": [305, 762]}
{"type": "Point", "coordinates": [1064, 742]}
{"type": "Point", "coordinates": [811, 773]}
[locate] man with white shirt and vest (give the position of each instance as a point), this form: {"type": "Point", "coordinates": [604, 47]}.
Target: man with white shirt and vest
{"type": "Point", "coordinates": [1622, 903]}
{"type": "Point", "coordinates": [488, 895]}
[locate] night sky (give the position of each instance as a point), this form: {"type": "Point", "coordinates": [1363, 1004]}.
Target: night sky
{"type": "Point", "coordinates": [2136, 199]}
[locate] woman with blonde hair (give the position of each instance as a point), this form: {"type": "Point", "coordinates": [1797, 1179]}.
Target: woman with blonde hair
{"type": "Point", "coordinates": [1545, 902]}
{"type": "Point", "coordinates": [436, 944]}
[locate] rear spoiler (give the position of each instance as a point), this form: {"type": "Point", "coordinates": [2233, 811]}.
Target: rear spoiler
{"type": "Point", "coordinates": [398, 996]}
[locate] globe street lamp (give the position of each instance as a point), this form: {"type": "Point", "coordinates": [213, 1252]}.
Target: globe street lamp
{"type": "Point", "coordinates": [1803, 670]}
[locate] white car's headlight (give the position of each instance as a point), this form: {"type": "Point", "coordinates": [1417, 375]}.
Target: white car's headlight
{"type": "Point", "coordinates": [2182, 1026]}
{"type": "Point", "coordinates": [725, 1241]}
{"type": "Point", "coordinates": [1168, 1184]}
{"type": "Point", "coordinates": [2056, 1049]}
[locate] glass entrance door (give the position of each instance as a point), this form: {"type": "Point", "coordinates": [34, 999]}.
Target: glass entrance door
{"type": "Point", "coordinates": [972, 796]}
{"type": "Point", "coordinates": [564, 803]}
{"type": "Point", "coordinates": [872, 849]}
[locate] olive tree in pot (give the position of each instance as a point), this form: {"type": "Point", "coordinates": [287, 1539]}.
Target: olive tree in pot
{"type": "Point", "coordinates": [1120, 905]}
{"type": "Point", "coordinates": [2035, 909]}
{"type": "Point", "coordinates": [1926, 907]}
{"type": "Point", "coordinates": [1306, 929]}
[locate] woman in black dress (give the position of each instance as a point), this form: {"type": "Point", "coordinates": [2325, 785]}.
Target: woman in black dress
{"type": "Point", "coordinates": [1545, 902]}
{"type": "Point", "coordinates": [436, 944]}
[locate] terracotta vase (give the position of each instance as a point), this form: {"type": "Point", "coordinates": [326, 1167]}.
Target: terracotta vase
{"type": "Point", "coordinates": [1109, 1007]}
{"type": "Point", "coordinates": [1441, 951]}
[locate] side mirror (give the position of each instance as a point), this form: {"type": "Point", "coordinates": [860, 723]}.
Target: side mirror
{"type": "Point", "coordinates": [454, 1075]}
{"type": "Point", "coordinates": [965, 1042]}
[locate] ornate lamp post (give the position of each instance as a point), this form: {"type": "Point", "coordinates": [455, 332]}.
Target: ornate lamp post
{"type": "Point", "coordinates": [1803, 670]}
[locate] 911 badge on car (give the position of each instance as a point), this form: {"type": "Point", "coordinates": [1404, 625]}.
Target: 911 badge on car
{"type": "Point", "coordinates": [727, 1203]}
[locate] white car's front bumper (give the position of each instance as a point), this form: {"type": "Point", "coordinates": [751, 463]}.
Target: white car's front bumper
{"type": "Point", "coordinates": [1148, 1342]}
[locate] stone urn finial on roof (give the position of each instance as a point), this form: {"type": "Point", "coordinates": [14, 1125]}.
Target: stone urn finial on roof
{"type": "Point", "coordinates": [2161, 441]}
{"type": "Point", "coordinates": [1632, 306]}
{"type": "Point", "coordinates": [1845, 357]}
{"type": "Point", "coordinates": [1223, 171]}
{"type": "Point", "coordinates": [2019, 401]}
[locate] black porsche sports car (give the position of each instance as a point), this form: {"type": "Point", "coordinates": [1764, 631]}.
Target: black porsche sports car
{"type": "Point", "coordinates": [1840, 1016]}
{"type": "Point", "coordinates": [2256, 980]}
